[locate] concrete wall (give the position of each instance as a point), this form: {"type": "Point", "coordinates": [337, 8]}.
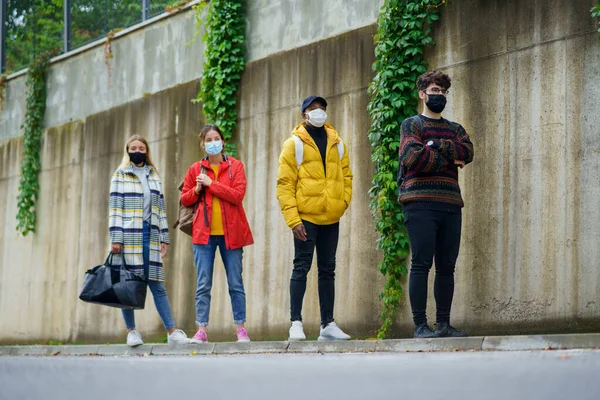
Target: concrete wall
{"type": "Point", "coordinates": [524, 86]}
{"type": "Point", "coordinates": [43, 272]}
{"type": "Point", "coordinates": [80, 84]}
{"type": "Point", "coordinates": [160, 54]}
{"type": "Point", "coordinates": [280, 25]}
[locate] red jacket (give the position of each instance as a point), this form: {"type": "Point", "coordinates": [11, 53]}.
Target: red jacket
{"type": "Point", "coordinates": [230, 188]}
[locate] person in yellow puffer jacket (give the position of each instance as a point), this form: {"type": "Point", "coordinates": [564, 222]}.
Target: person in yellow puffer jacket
{"type": "Point", "coordinates": [314, 188]}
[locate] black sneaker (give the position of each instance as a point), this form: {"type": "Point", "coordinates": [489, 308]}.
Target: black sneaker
{"type": "Point", "coordinates": [443, 329]}
{"type": "Point", "coordinates": [423, 331]}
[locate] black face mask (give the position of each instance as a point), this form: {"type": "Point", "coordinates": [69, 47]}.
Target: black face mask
{"type": "Point", "coordinates": [137, 157]}
{"type": "Point", "coordinates": [436, 103]}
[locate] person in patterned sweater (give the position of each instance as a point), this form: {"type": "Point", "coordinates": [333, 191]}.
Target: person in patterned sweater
{"type": "Point", "coordinates": [432, 149]}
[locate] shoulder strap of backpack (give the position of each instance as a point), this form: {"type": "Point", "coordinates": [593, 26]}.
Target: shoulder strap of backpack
{"type": "Point", "coordinates": [299, 145]}
{"type": "Point", "coordinates": [299, 149]}
{"type": "Point", "coordinates": [340, 147]}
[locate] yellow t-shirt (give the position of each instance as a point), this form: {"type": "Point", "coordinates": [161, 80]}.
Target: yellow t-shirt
{"type": "Point", "coordinates": [216, 224]}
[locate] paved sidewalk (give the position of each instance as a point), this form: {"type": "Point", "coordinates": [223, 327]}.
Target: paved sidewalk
{"type": "Point", "coordinates": [494, 343]}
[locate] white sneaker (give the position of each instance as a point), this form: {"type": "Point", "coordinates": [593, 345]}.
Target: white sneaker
{"type": "Point", "coordinates": [134, 338]}
{"type": "Point", "coordinates": [178, 337]}
{"type": "Point", "coordinates": [296, 331]}
{"type": "Point", "coordinates": [332, 332]}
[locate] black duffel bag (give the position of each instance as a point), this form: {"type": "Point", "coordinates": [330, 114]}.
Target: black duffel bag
{"type": "Point", "coordinates": [114, 286]}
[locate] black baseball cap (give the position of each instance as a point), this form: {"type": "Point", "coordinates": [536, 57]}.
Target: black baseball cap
{"type": "Point", "coordinates": [307, 101]}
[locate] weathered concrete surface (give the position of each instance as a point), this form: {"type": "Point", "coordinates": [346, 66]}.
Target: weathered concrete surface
{"type": "Point", "coordinates": [79, 350]}
{"type": "Point", "coordinates": [162, 55]}
{"type": "Point", "coordinates": [188, 349]}
{"type": "Point", "coordinates": [145, 61]}
{"type": "Point", "coordinates": [250, 348]}
{"type": "Point", "coordinates": [295, 23]}
{"type": "Point", "coordinates": [43, 273]}
{"type": "Point", "coordinates": [438, 344]}
{"type": "Point", "coordinates": [272, 90]}
{"type": "Point", "coordinates": [122, 349]}
{"type": "Point", "coordinates": [582, 341]}
{"type": "Point", "coordinates": [344, 346]}
{"type": "Point", "coordinates": [34, 350]}
{"type": "Point", "coordinates": [525, 80]}
{"type": "Point", "coordinates": [525, 91]}
{"type": "Point", "coordinates": [488, 343]}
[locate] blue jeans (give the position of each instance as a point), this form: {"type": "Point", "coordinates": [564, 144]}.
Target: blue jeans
{"type": "Point", "coordinates": [204, 258]}
{"type": "Point", "coordinates": [159, 292]}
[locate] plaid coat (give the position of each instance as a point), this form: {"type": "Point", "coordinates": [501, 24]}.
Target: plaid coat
{"type": "Point", "coordinates": [126, 220]}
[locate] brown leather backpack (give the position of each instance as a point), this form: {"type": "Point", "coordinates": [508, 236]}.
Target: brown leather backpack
{"type": "Point", "coordinates": [186, 214]}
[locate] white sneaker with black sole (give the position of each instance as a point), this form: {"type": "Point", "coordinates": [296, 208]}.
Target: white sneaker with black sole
{"type": "Point", "coordinates": [178, 337]}
{"type": "Point", "coordinates": [332, 332]}
{"type": "Point", "coordinates": [296, 332]}
{"type": "Point", "coordinates": [134, 339]}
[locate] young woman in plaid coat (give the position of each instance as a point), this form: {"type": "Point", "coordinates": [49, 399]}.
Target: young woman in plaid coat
{"type": "Point", "coordinates": [139, 231]}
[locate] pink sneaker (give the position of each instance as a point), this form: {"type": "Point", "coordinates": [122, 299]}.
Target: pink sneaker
{"type": "Point", "coordinates": [200, 337]}
{"type": "Point", "coordinates": [242, 335]}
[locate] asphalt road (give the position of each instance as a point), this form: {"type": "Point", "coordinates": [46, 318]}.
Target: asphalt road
{"type": "Point", "coordinates": [423, 376]}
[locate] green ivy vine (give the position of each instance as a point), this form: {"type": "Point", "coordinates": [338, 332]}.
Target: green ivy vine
{"type": "Point", "coordinates": [29, 186]}
{"type": "Point", "coordinates": [596, 13]}
{"type": "Point", "coordinates": [3, 83]}
{"type": "Point", "coordinates": [224, 37]}
{"type": "Point", "coordinates": [404, 29]}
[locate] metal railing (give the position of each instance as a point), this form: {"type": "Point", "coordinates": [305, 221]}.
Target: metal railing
{"type": "Point", "coordinates": [28, 28]}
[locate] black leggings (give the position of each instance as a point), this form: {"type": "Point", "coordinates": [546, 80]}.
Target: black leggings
{"type": "Point", "coordinates": [432, 234]}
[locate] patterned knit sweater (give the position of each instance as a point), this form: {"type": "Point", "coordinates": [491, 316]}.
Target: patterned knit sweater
{"type": "Point", "coordinates": [430, 174]}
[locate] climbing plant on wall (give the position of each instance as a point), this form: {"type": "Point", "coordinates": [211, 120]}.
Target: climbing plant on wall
{"type": "Point", "coordinates": [224, 37]}
{"type": "Point", "coordinates": [404, 29]}
{"type": "Point", "coordinates": [596, 13]}
{"type": "Point", "coordinates": [3, 83]}
{"type": "Point", "coordinates": [29, 185]}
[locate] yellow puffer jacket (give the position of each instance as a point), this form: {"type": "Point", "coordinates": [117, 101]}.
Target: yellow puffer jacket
{"type": "Point", "coordinates": [306, 193]}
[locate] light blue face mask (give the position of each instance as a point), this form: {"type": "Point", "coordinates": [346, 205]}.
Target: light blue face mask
{"type": "Point", "coordinates": [215, 147]}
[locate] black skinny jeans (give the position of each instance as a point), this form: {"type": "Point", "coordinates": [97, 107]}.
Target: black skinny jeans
{"type": "Point", "coordinates": [433, 233]}
{"type": "Point", "coordinates": [325, 239]}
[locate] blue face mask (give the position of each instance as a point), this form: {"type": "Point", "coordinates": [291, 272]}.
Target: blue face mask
{"type": "Point", "coordinates": [215, 147]}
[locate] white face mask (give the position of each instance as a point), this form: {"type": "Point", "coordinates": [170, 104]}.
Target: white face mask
{"type": "Point", "coordinates": [317, 117]}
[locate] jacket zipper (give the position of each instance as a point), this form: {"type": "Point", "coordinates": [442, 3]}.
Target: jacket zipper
{"type": "Point", "coordinates": [224, 213]}
{"type": "Point", "coordinates": [203, 196]}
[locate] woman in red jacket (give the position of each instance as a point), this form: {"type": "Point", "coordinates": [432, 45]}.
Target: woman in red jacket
{"type": "Point", "coordinates": [218, 184]}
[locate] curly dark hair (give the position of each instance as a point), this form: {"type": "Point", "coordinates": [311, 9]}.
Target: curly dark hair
{"type": "Point", "coordinates": [437, 77]}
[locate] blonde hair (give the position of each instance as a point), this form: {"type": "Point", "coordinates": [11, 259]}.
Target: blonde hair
{"type": "Point", "coordinates": [126, 162]}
